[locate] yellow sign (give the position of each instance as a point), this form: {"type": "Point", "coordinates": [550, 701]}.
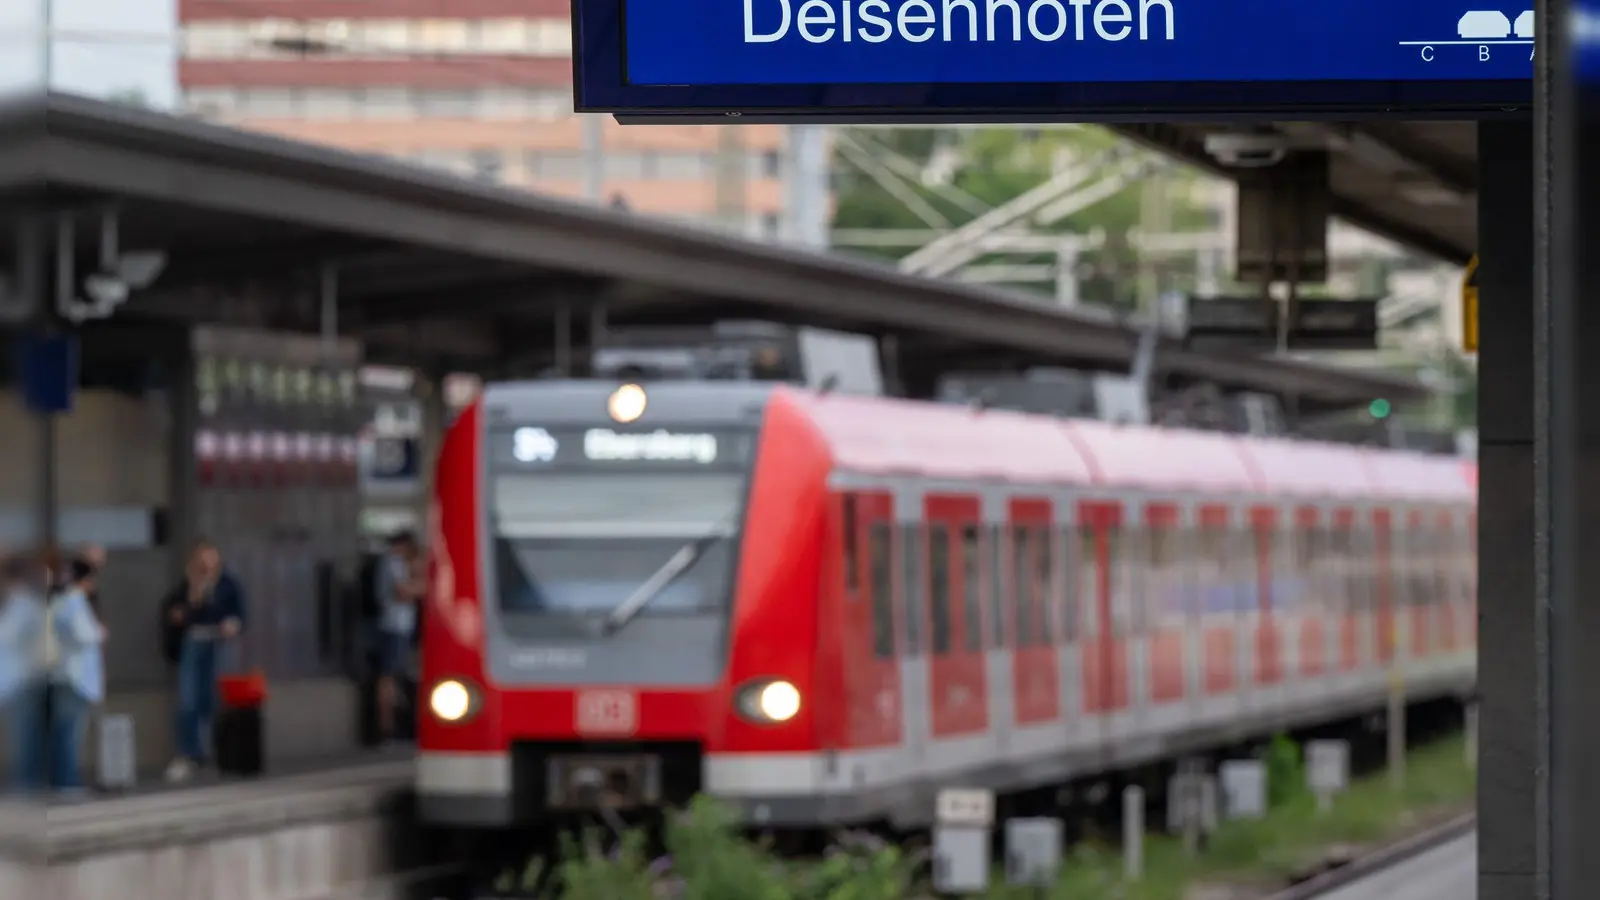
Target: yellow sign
{"type": "Point", "coordinates": [1469, 306]}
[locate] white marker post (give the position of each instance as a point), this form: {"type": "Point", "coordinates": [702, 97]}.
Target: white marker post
{"type": "Point", "coordinates": [1133, 832]}
{"type": "Point", "coordinates": [1327, 771]}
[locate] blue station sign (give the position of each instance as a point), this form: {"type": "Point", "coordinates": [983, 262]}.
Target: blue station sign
{"type": "Point", "coordinates": [1040, 59]}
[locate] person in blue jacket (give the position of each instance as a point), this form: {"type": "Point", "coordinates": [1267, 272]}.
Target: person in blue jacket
{"type": "Point", "coordinates": [203, 612]}
{"type": "Point", "coordinates": [72, 642]}
{"type": "Point", "coordinates": [22, 677]}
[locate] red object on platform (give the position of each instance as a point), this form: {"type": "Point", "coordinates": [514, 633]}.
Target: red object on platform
{"type": "Point", "coordinates": [243, 691]}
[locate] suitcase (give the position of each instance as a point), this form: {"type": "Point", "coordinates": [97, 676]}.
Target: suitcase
{"type": "Point", "coordinates": [117, 756]}
{"type": "Point", "coordinates": [238, 738]}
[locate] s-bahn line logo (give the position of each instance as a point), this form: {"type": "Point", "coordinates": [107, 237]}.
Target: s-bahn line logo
{"type": "Point", "coordinates": [533, 445]}
{"type": "Point", "coordinates": [655, 446]}
{"type": "Point", "coordinates": [609, 712]}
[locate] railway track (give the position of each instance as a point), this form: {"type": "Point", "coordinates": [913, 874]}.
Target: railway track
{"type": "Point", "coordinates": [1391, 872]}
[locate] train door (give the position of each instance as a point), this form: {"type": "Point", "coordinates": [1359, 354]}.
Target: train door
{"type": "Point", "coordinates": [1385, 631]}
{"type": "Point", "coordinates": [955, 651]}
{"type": "Point", "coordinates": [1163, 596]}
{"type": "Point", "coordinates": [1446, 590]}
{"type": "Point", "coordinates": [1072, 591]}
{"type": "Point", "coordinates": [1105, 664]}
{"type": "Point", "coordinates": [915, 663]}
{"type": "Point", "coordinates": [1268, 613]}
{"type": "Point", "coordinates": [1217, 604]}
{"type": "Point", "coordinates": [998, 622]}
{"type": "Point", "coordinates": [1307, 578]}
{"type": "Point", "coordinates": [870, 657]}
{"type": "Point", "coordinates": [1347, 590]}
{"type": "Point", "coordinates": [1420, 595]}
{"type": "Point", "coordinates": [1035, 676]}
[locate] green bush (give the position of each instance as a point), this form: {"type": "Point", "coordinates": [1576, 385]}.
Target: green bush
{"type": "Point", "coordinates": [1286, 777]}
{"type": "Point", "coordinates": [709, 858]}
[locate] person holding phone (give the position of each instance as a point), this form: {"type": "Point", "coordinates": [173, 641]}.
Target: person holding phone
{"type": "Point", "coordinates": [202, 613]}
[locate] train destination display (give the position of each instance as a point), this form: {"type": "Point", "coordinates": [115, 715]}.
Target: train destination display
{"type": "Point", "coordinates": [1106, 57]}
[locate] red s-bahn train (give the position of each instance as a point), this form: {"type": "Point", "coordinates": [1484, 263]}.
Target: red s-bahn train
{"type": "Point", "coordinates": [824, 608]}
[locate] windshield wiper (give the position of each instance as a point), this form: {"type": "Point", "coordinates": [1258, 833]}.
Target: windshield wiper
{"type": "Point", "coordinates": [652, 587]}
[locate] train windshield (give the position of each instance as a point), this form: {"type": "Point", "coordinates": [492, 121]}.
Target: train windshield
{"type": "Point", "coordinates": [580, 544]}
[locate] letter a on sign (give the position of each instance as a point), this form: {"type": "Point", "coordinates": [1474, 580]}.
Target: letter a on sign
{"type": "Point", "coordinates": [1469, 306]}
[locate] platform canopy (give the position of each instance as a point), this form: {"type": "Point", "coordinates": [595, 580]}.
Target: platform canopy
{"type": "Point", "coordinates": [434, 270]}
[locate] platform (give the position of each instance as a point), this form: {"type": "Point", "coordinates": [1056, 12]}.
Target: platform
{"type": "Point", "coordinates": [342, 831]}
{"type": "Point", "coordinates": [1448, 872]}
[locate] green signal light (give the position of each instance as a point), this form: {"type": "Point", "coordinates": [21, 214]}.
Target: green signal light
{"type": "Point", "coordinates": [1379, 409]}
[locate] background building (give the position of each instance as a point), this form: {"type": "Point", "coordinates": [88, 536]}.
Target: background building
{"type": "Point", "coordinates": [484, 88]}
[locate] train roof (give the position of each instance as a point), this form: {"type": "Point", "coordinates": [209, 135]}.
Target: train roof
{"type": "Point", "coordinates": [887, 436]}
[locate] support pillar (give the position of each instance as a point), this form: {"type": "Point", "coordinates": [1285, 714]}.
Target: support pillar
{"type": "Point", "coordinates": [1508, 655]}
{"type": "Point", "coordinates": [183, 468]}
{"type": "Point", "coordinates": [1567, 456]}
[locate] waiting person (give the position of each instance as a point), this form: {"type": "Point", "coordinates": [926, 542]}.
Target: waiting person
{"type": "Point", "coordinates": [399, 588]}
{"type": "Point", "coordinates": [201, 614]}
{"type": "Point", "coordinates": [95, 556]}
{"type": "Point", "coordinates": [23, 685]}
{"type": "Point", "coordinates": [73, 637]}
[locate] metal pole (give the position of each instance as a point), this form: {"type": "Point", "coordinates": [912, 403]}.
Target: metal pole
{"type": "Point", "coordinates": [594, 156]}
{"type": "Point", "coordinates": [328, 298]}
{"type": "Point", "coordinates": [48, 35]}
{"type": "Point", "coordinates": [563, 336]}
{"type": "Point", "coordinates": [1397, 727]}
{"type": "Point", "coordinates": [49, 463]}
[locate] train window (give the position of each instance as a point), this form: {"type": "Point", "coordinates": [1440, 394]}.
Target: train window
{"type": "Point", "coordinates": [1194, 578]}
{"type": "Point", "coordinates": [1279, 562]}
{"type": "Point", "coordinates": [1117, 580]}
{"type": "Point", "coordinates": [997, 587]}
{"type": "Point", "coordinates": [1070, 581]}
{"type": "Point", "coordinates": [972, 587]}
{"type": "Point", "coordinates": [1089, 580]}
{"type": "Point", "coordinates": [1303, 548]}
{"type": "Point", "coordinates": [1022, 584]}
{"type": "Point", "coordinates": [852, 574]}
{"type": "Point", "coordinates": [1044, 587]}
{"type": "Point", "coordinates": [911, 587]}
{"type": "Point", "coordinates": [879, 556]}
{"type": "Point", "coordinates": [939, 587]}
{"type": "Point", "coordinates": [1137, 581]}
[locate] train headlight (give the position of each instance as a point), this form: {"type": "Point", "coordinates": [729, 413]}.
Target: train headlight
{"type": "Point", "coordinates": [451, 701]}
{"type": "Point", "coordinates": [771, 702]}
{"type": "Point", "coordinates": [626, 403]}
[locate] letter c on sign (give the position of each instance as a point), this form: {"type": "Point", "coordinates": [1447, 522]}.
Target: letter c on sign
{"type": "Point", "coordinates": [1427, 54]}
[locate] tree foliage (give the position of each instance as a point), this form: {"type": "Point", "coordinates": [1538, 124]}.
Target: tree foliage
{"type": "Point", "coordinates": [995, 165]}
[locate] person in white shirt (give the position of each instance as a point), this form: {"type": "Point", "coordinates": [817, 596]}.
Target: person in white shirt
{"type": "Point", "coordinates": [75, 667]}
{"type": "Point", "coordinates": [399, 589]}
{"type": "Point", "coordinates": [22, 666]}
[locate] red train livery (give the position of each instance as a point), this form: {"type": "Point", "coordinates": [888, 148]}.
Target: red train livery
{"type": "Point", "coordinates": [823, 608]}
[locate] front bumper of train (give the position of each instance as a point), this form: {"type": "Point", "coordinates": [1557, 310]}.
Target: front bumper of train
{"type": "Point", "coordinates": [497, 790]}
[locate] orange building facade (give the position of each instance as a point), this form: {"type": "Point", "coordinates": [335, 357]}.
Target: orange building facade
{"type": "Point", "coordinates": [478, 87]}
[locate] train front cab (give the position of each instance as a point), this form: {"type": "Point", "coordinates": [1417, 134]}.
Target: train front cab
{"type": "Point", "coordinates": [554, 508]}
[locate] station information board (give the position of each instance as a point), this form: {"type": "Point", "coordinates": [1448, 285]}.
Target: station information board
{"type": "Point", "coordinates": [1041, 59]}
